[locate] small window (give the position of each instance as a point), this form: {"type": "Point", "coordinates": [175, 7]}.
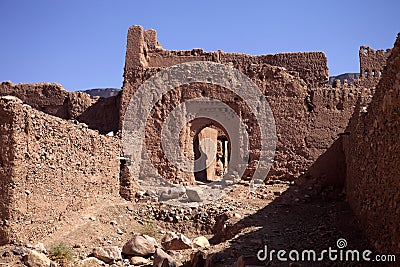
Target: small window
{"type": "Point", "coordinates": [373, 73]}
{"type": "Point", "coordinates": [366, 51]}
{"type": "Point", "coordinates": [366, 73]}
{"type": "Point", "coordinates": [380, 73]}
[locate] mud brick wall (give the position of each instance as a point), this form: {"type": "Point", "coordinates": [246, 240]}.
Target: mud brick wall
{"type": "Point", "coordinates": [143, 50]}
{"type": "Point", "coordinates": [47, 97]}
{"type": "Point", "coordinates": [311, 66]}
{"type": "Point", "coordinates": [372, 156]}
{"type": "Point", "coordinates": [309, 115]}
{"type": "Point", "coordinates": [372, 65]}
{"type": "Point", "coordinates": [100, 114]}
{"type": "Point", "coordinates": [331, 109]}
{"type": "Point", "coordinates": [50, 168]}
{"type": "Point", "coordinates": [6, 163]}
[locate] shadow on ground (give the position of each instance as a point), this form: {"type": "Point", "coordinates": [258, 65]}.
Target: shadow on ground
{"type": "Point", "coordinates": [297, 220]}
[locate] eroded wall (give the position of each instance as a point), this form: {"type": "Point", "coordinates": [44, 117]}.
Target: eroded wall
{"type": "Point", "coordinates": [47, 97]}
{"type": "Point", "coordinates": [100, 114]}
{"type": "Point", "coordinates": [50, 169]}
{"type": "Point", "coordinates": [6, 166]}
{"type": "Point", "coordinates": [372, 156]}
{"type": "Point", "coordinates": [372, 65]}
{"type": "Point", "coordinates": [144, 51]}
{"type": "Point", "coordinates": [309, 115]}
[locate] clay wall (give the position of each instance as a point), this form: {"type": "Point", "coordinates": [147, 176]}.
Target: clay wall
{"type": "Point", "coordinates": [47, 97]}
{"type": "Point", "coordinates": [310, 116]}
{"type": "Point", "coordinates": [6, 164]}
{"type": "Point", "coordinates": [372, 156]}
{"type": "Point", "coordinates": [100, 114]}
{"type": "Point", "coordinates": [144, 51]}
{"type": "Point", "coordinates": [372, 65]}
{"type": "Point", "coordinates": [50, 168]}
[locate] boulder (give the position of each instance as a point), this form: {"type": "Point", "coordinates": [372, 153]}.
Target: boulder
{"type": "Point", "coordinates": [36, 259]}
{"type": "Point", "coordinates": [194, 194]}
{"type": "Point", "coordinates": [140, 245]}
{"type": "Point", "coordinates": [175, 241]}
{"type": "Point", "coordinates": [201, 242]}
{"type": "Point", "coordinates": [162, 259]}
{"type": "Point", "coordinates": [108, 254]}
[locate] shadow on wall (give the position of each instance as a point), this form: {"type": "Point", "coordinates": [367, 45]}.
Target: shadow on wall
{"type": "Point", "coordinates": [103, 115]}
{"type": "Point", "coordinates": [329, 170]}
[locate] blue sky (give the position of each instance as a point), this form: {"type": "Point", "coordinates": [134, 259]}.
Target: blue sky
{"type": "Point", "coordinates": [81, 44]}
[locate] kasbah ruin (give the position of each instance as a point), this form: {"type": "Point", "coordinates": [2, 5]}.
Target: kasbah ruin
{"type": "Point", "coordinates": [68, 197]}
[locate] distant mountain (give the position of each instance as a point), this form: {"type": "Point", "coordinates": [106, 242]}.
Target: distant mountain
{"type": "Point", "coordinates": [102, 92]}
{"type": "Point", "coordinates": [350, 77]}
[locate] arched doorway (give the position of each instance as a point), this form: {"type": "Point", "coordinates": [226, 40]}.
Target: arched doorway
{"type": "Point", "coordinates": [216, 150]}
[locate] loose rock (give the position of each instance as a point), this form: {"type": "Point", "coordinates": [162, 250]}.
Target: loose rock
{"type": "Point", "coordinates": [136, 260]}
{"type": "Point", "coordinates": [91, 262]}
{"type": "Point", "coordinates": [36, 259]}
{"type": "Point", "coordinates": [194, 194]}
{"type": "Point", "coordinates": [162, 259]}
{"type": "Point", "coordinates": [108, 254]}
{"type": "Point", "coordinates": [140, 245]}
{"type": "Point", "coordinates": [175, 241]}
{"type": "Point", "coordinates": [201, 242]}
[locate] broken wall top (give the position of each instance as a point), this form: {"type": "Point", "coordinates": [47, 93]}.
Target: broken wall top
{"type": "Point", "coordinates": [144, 51]}
{"type": "Point", "coordinates": [372, 65]}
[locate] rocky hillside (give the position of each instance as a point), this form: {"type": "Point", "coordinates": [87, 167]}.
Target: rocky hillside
{"type": "Point", "coordinates": [102, 92]}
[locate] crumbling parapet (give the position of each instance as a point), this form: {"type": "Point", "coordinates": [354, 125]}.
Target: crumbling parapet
{"type": "Point", "coordinates": [136, 49]}
{"type": "Point", "coordinates": [372, 65]}
{"type": "Point", "coordinates": [50, 169]}
{"type": "Point", "coordinates": [144, 51]}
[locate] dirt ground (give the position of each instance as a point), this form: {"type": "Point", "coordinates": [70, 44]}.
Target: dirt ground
{"type": "Point", "coordinates": [278, 215]}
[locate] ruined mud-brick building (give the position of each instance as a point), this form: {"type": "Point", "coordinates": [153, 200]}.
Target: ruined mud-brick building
{"type": "Point", "coordinates": [309, 115]}
{"type": "Point", "coordinates": [56, 149]}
